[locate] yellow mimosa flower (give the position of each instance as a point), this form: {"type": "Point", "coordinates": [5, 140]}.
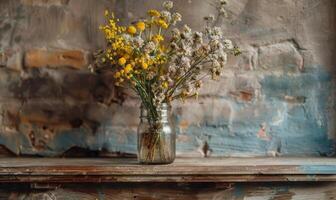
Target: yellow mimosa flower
{"type": "Point", "coordinates": [144, 65]}
{"type": "Point", "coordinates": [154, 13]}
{"type": "Point", "coordinates": [128, 68]}
{"type": "Point", "coordinates": [131, 30]}
{"type": "Point", "coordinates": [157, 38]}
{"type": "Point", "coordinates": [121, 61]}
{"type": "Point", "coordinates": [165, 85]}
{"type": "Point", "coordinates": [162, 23]}
{"type": "Point", "coordinates": [117, 75]}
{"type": "Point", "coordinates": [141, 26]}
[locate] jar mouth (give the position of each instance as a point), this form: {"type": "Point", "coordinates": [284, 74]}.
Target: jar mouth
{"type": "Point", "coordinates": [163, 111]}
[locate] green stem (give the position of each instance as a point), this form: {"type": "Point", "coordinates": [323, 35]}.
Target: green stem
{"type": "Point", "coordinates": [147, 99]}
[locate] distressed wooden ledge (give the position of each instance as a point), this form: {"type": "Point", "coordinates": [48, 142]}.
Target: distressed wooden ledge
{"type": "Point", "coordinates": [65, 170]}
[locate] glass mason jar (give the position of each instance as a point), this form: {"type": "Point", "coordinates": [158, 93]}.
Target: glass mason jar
{"type": "Point", "coordinates": [156, 138]}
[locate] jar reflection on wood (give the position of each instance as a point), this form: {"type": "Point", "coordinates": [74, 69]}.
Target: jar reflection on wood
{"type": "Point", "coordinates": [156, 138]}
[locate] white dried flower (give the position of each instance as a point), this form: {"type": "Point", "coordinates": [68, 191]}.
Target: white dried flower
{"type": "Point", "coordinates": [150, 75]}
{"type": "Point", "coordinates": [185, 62]}
{"type": "Point", "coordinates": [222, 56]}
{"type": "Point", "coordinates": [217, 33]}
{"type": "Point", "coordinates": [228, 44]}
{"type": "Point", "coordinates": [127, 37]}
{"type": "Point", "coordinates": [186, 32]}
{"type": "Point", "coordinates": [222, 64]}
{"type": "Point", "coordinates": [199, 52]}
{"type": "Point", "coordinates": [176, 17]}
{"type": "Point", "coordinates": [186, 29]}
{"type": "Point", "coordinates": [223, 2]}
{"type": "Point", "coordinates": [223, 12]}
{"type": "Point", "coordinates": [198, 84]}
{"type": "Point", "coordinates": [198, 38]}
{"type": "Point", "coordinates": [186, 49]}
{"type": "Point", "coordinates": [220, 47]}
{"type": "Point", "coordinates": [215, 73]}
{"type": "Point", "coordinates": [176, 33]}
{"type": "Point", "coordinates": [214, 45]}
{"type": "Point", "coordinates": [172, 69]}
{"type": "Point", "coordinates": [138, 41]}
{"type": "Point", "coordinates": [166, 15]}
{"type": "Point", "coordinates": [149, 47]}
{"type": "Point", "coordinates": [173, 46]}
{"type": "Point", "coordinates": [168, 5]}
{"type": "Point", "coordinates": [205, 48]}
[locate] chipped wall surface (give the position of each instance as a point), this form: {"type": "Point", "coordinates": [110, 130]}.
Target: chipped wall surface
{"type": "Point", "coordinates": [276, 99]}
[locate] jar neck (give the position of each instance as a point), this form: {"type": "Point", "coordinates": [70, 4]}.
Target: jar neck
{"type": "Point", "coordinates": [162, 113]}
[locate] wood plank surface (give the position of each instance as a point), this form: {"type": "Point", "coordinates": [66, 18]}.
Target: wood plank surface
{"type": "Point", "coordinates": [173, 191]}
{"type": "Point", "coordinates": [182, 170]}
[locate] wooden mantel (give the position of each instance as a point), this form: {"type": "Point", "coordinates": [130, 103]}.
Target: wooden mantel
{"type": "Point", "coordinates": [65, 170]}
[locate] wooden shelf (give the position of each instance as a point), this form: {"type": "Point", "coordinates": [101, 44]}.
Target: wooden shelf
{"type": "Point", "coordinates": [182, 170]}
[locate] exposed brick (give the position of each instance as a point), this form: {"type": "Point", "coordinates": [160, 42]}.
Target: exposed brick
{"type": "Point", "coordinates": [79, 86]}
{"type": "Point", "coordinates": [14, 61]}
{"type": "Point", "coordinates": [295, 99]}
{"type": "Point", "coordinates": [242, 95]}
{"type": "Point", "coordinates": [55, 59]}
{"type": "Point", "coordinates": [219, 87]}
{"type": "Point", "coordinates": [205, 111]}
{"type": "Point", "coordinates": [8, 79]}
{"type": "Point", "coordinates": [242, 87]}
{"type": "Point", "coordinates": [283, 57]}
{"type": "Point", "coordinates": [245, 62]}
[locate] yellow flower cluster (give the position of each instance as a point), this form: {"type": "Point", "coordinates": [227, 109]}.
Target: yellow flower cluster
{"type": "Point", "coordinates": [162, 23]}
{"type": "Point", "coordinates": [160, 61]}
{"type": "Point", "coordinates": [131, 30]}
{"type": "Point", "coordinates": [141, 26]}
{"type": "Point", "coordinates": [157, 38]}
{"type": "Point", "coordinates": [154, 13]}
{"type": "Point", "coordinates": [126, 58]}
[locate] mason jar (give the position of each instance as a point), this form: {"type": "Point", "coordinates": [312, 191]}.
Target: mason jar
{"type": "Point", "coordinates": [156, 137]}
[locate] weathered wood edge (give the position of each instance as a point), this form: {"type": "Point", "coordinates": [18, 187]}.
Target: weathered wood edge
{"type": "Point", "coordinates": [183, 170]}
{"type": "Point", "coordinates": [166, 179]}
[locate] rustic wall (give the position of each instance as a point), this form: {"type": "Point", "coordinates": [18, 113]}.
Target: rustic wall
{"type": "Point", "coordinates": [277, 98]}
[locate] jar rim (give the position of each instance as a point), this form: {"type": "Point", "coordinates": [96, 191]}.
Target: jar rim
{"type": "Point", "coordinates": [162, 105]}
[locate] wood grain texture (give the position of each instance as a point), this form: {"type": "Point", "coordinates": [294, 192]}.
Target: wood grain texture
{"type": "Point", "coordinates": [182, 170]}
{"type": "Point", "coordinates": [170, 191]}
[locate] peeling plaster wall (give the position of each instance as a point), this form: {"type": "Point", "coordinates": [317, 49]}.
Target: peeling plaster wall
{"type": "Point", "coordinates": [276, 99]}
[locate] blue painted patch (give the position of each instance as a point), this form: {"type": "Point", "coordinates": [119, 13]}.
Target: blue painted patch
{"type": "Point", "coordinates": [239, 191]}
{"type": "Point", "coordinates": [318, 169]}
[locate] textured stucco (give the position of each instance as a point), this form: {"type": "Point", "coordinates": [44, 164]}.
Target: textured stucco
{"type": "Point", "coordinates": [277, 98]}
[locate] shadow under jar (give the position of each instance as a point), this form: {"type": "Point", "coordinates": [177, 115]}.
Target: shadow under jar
{"type": "Point", "coordinates": [156, 136]}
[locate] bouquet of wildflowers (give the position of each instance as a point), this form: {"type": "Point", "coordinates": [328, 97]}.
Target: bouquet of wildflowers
{"type": "Point", "coordinates": [160, 61]}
